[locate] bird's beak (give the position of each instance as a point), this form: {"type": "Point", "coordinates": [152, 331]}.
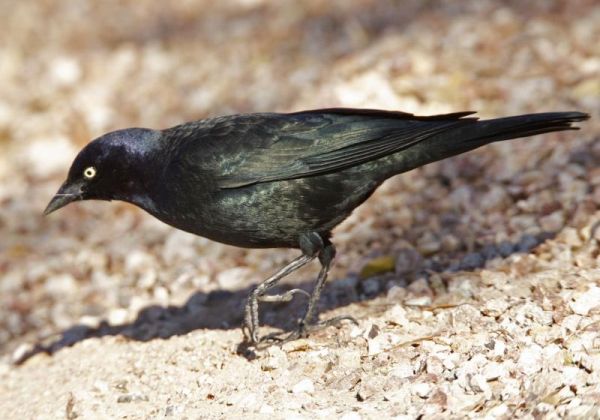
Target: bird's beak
{"type": "Point", "coordinates": [65, 195]}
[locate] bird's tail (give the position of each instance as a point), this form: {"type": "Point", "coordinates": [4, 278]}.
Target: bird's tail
{"type": "Point", "coordinates": [477, 133]}
{"type": "Point", "coordinates": [488, 131]}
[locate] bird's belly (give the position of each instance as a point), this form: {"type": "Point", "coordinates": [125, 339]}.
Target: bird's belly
{"type": "Point", "coordinates": [273, 214]}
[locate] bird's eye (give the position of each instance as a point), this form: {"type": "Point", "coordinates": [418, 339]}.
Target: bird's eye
{"type": "Point", "coordinates": [89, 172]}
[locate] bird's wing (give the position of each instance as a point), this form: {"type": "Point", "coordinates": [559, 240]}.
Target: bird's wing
{"type": "Point", "coordinates": [255, 148]}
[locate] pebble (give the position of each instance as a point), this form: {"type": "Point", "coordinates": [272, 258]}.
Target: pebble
{"type": "Point", "coordinates": [422, 389]}
{"type": "Point", "coordinates": [234, 278]}
{"type": "Point", "coordinates": [137, 260]}
{"type": "Point", "coordinates": [478, 383]}
{"type": "Point", "coordinates": [61, 285]}
{"type": "Point", "coordinates": [428, 244]}
{"type": "Point", "coordinates": [571, 323]}
{"type": "Point", "coordinates": [530, 360]}
{"type": "Point", "coordinates": [511, 389]}
{"type": "Point", "coordinates": [397, 315]}
{"type": "Point", "coordinates": [117, 316]}
{"type": "Point", "coordinates": [301, 344]}
{"type": "Point", "coordinates": [275, 359]}
{"type": "Point", "coordinates": [495, 307]}
{"type": "Point", "coordinates": [100, 387]}
{"type": "Point", "coordinates": [243, 399]}
{"type": "Point", "coordinates": [349, 360]}
{"type": "Point", "coordinates": [573, 375]}
{"type": "Point", "coordinates": [499, 348]}
{"type": "Point", "coordinates": [419, 301]}
{"type": "Point", "coordinates": [305, 385]}
{"type": "Point", "coordinates": [367, 388]}
{"type": "Point", "coordinates": [493, 371]}
{"type": "Point", "coordinates": [403, 369]}
{"type": "Point", "coordinates": [266, 409]}
{"type": "Point", "coordinates": [552, 222]}
{"type": "Point", "coordinates": [587, 301]}
{"type": "Point", "coordinates": [434, 365]}
{"type": "Point", "coordinates": [21, 351]}
{"type": "Point", "coordinates": [400, 396]}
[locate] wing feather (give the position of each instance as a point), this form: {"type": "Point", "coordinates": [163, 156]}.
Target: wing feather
{"type": "Point", "coordinates": [255, 148]}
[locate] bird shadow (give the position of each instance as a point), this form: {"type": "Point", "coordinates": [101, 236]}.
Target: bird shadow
{"type": "Point", "coordinates": [223, 309]}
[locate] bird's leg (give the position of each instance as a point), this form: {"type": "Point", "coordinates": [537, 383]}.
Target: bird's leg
{"type": "Point", "coordinates": [325, 257]}
{"type": "Point", "coordinates": [305, 325]}
{"type": "Point", "coordinates": [251, 310]}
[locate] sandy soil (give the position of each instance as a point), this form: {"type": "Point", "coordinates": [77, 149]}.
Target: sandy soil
{"type": "Point", "coordinates": [475, 281]}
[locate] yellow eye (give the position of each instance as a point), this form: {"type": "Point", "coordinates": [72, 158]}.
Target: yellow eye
{"type": "Point", "coordinates": [89, 172]}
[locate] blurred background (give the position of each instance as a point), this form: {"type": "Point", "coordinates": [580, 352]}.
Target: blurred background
{"type": "Point", "coordinates": [71, 71]}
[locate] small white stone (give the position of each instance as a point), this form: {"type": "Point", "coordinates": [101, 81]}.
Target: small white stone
{"type": "Point", "coordinates": [90, 321]}
{"type": "Point", "coordinates": [499, 348]}
{"type": "Point", "coordinates": [495, 307]}
{"type": "Point", "coordinates": [349, 359]}
{"type": "Point", "coordinates": [512, 389]}
{"type": "Point", "coordinates": [500, 411]}
{"type": "Point", "coordinates": [586, 301]}
{"type": "Point", "coordinates": [65, 71]}
{"type": "Point", "coordinates": [101, 387]}
{"type": "Point", "coordinates": [61, 285]}
{"type": "Point", "coordinates": [422, 389]}
{"type": "Point", "coordinates": [530, 360]}
{"type": "Point", "coordinates": [243, 400]}
{"type": "Point", "coordinates": [572, 375]}
{"type": "Point", "coordinates": [479, 384]}
{"type": "Point", "coordinates": [21, 351]}
{"type": "Point", "coordinates": [419, 301]}
{"type": "Point", "coordinates": [397, 314]}
{"type": "Point", "coordinates": [117, 316]}
{"type": "Point", "coordinates": [266, 409]}
{"type": "Point", "coordinates": [161, 294]}
{"type": "Point", "coordinates": [352, 415]}
{"type": "Point", "coordinates": [434, 365]}
{"type": "Point", "coordinates": [137, 260]}
{"type": "Point", "coordinates": [276, 359]}
{"type": "Point", "coordinates": [571, 323]}
{"type": "Point", "coordinates": [356, 331]}
{"type": "Point", "coordinates": [451, 361]}
{"type": "Point", "coordinates": [493, 371]}
{"type": "Point", "coordinates": [305, 385]}
{"type": "Point", "coordinates": [399, 396]}
{"type": "Point", "coordinates": [234, 278]}
{"type": "Point", "coordinates": [403, 369]}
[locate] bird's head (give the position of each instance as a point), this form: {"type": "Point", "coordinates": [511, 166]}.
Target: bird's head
{"type": "Point", "coordinates": [115, 166]}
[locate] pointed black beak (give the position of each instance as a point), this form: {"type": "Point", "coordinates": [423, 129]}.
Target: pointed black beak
{"type": "Point", "coordinates": [65, 195]}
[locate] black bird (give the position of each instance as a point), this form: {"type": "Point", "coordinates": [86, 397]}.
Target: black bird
{"type": "Point", "coordinates": [278, 180]}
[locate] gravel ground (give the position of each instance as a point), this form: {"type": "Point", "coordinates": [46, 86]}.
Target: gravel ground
{"type": "Point", "coordinates": [475, 281]}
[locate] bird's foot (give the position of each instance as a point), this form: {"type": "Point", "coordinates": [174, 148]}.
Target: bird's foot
{"type": "Point", "coordinates": [250, 326]}
{"type": "Point", "coordinates": [304, 330]}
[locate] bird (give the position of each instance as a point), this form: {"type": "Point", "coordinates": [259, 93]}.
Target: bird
{"type": "Point", "coordinates": [278, 180]}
